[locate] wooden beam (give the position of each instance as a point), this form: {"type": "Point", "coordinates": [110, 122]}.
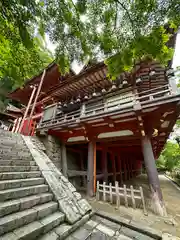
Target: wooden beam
{"type": "Point", "coordinates": [74, 173]}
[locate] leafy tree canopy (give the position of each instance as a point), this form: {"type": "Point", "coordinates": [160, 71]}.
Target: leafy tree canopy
{"type": "Point", "coordinates": [22, 53]}
{"type": "Point", "coordinates": [120, 31]}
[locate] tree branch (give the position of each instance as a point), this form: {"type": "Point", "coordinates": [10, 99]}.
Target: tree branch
{"type": "Point", "coordinates": [130, 19]}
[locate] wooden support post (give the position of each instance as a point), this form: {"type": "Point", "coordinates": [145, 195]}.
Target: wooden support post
{"type": "Point", "coordinates": [120, 167]}
{"type": "Point", "coordinates": [133, 174]}
{"type": "Point", "coordinates": [97, 191]}
{"type": "Point", "coordinates": [64, 160]}
{"type": "Point", "coordinates": [14, 125]}
{"type": "Point", "coordinates": [36, 98]}
{"type": "Point", "coordinates": [125, 170]}
{"type": "Point", "coordinates": [91, 175]}
{"type": "Point", "coordinates": [104, 165]}
{"type": "Point", "coordinates": [128, 168]}
{"type": "Point", "coordinates": [157, 199]}
{"type": "Point", "coordinates": [113, 159]}
{"type": "Point", "coordinates": [27, 109]}
{"type": "Point", "coordinates": [19, 121]}
{"type": "Point", "coordinates": [118, 170]}
{"type": "Point", "coordinates": [132, 168]}
{"type": "Point", "coordinates": [82, 168]}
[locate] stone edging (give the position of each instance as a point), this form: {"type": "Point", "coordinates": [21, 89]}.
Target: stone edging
{"type": "Point", "coordinates": [174, 183]}
{"type": "Point", "coordinates": [70, 201]}
{"type": "Point", "coordinates": [131, 224]}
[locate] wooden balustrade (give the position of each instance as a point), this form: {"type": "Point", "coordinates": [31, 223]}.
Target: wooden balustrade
{"type": "Point", "coordinates": [100, 108]}
{"type": "Point", "coordinates": [120, 195]}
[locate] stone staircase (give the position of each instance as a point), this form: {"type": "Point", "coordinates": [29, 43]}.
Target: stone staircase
{"type": "Point", "coordinates": [28, 209]}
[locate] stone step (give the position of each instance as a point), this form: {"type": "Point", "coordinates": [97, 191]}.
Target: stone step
{"type": "Point", "coordinates": [18, 168]}
{"type": "Point", "coordinates": [19, 175]}
{"type": "Point", "coordinates": [50, 236]}
{"type": "Point", "coordinates": [22, 192]}
{"type": "Point", "coordinates": [5, 132]}
{"type": "Point", "coordinates": [22, 146]}
{"type": "Point", "coordinates": [17, 163]}
{"type": "Point", "coordinates": [10, 134]}
{"type": "Point", "coordinates": [11, 141]}
{"type": "Point", "coordinates": [58, 233]}
{"type": "Point", "coordinates": [15, 155]}
{"type": "Point", "coordinates": [6, 144]}
{"type": "Point", "coordinates": [14, 151]}
{"type": "Point", "coordinates": [63, 230]}
{"type": "Point", "coordinates": [17, 183]}
{"type": "Point", "coordinates": [7, 157]}
{"type": "Point", "coordinates": [32, 230]}
{"type": "Point", "coordinates": [20, 204]}
{"type": "Point", "coordinates": [18, 219]}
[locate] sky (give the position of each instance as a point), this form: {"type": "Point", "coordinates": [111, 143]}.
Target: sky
{"type": "Point", "coordinates": [176, 58]}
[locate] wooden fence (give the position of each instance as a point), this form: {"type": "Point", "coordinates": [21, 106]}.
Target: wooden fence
{"type": "Point", "coordinates": [120, 194]}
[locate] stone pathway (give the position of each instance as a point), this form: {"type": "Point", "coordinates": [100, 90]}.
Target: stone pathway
{"type": "Point", "coordinates": [98, 228]}
{"type": "Point", "coordinates": [169, 226]}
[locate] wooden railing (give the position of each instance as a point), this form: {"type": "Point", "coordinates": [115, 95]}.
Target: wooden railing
{"type": "Point", "coordinates": [121, 195]}
{"type": "Point", "coordinates": [101, 107]}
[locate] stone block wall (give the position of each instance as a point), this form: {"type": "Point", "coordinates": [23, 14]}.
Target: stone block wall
{"type": "Point", "coordinates": [52, 149]}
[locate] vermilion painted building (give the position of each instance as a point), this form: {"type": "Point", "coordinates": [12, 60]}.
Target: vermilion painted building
{"type": "Point", "coordinates": [112, 128]}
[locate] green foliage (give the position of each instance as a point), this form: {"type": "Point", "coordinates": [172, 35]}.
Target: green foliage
{"type": "Point", "coordinates": [160, 163]}
{"type": "Point", "coordinates": [22, 54]}
{"type": "Point", "coordinates": [120, 31]}
{"type": "Point", "coordinates": [170, 157]}
{"type": "Point", "coordinates": [18, 19]}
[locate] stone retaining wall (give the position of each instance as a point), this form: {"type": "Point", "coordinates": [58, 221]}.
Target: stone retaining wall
{"type": "Point", "coordinates": [52, 149]}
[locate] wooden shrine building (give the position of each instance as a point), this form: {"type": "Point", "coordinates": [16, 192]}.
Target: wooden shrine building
{"type": "Point", "coordinates": [111, 129]}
